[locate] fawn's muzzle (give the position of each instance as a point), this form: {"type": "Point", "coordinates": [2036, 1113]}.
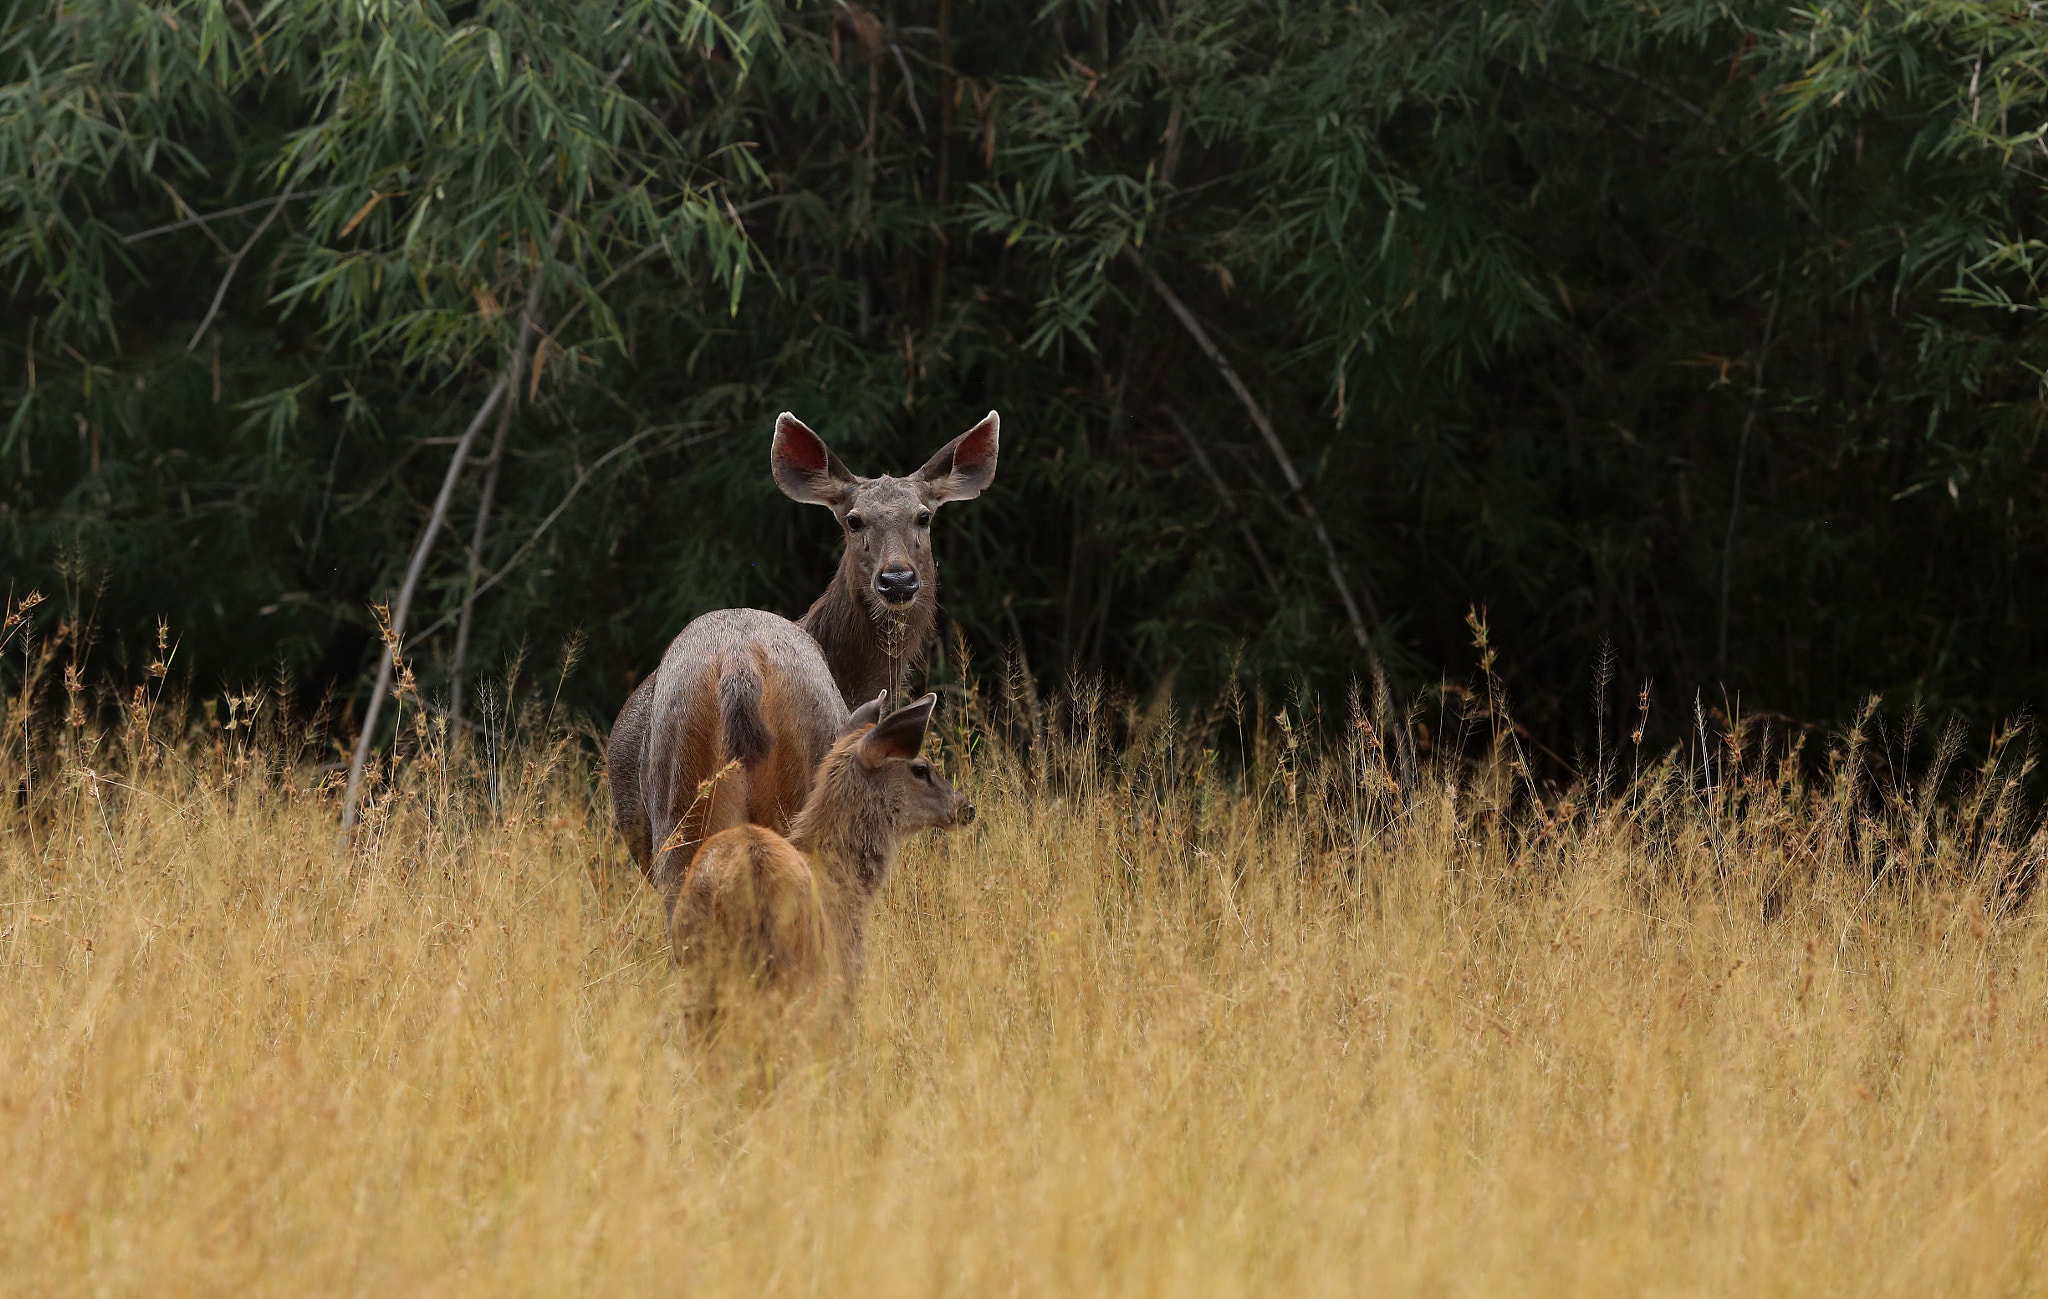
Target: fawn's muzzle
{"type": "Point", "coordinates": [897, 585]}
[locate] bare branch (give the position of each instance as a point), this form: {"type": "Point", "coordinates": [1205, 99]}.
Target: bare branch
{"type": "Point", "coordinates": [235, 264]}
{"type": "Point", "coordinates": [1654, 87]}
{"type": "Point", "coordinates": [529, 324]}
{"type": "Point", "coordinates": [635, 260]}
{"type": "Point", "coordinates": [403, 607]}
{"type": "Point", "coordinates": [179, 204]}
{"type": "Point", "coordinates": [495, 462]}
{"type": "Point", "coordinates": [909, 86]}
{"type": "Point", "coordinates": [1230, 508]}
{"type": "Point", "coordinates": [506, 390]}
{"type": "Point", "coordinates": [275, 200]}
{"type": "Point", "coordinates": [583, 476]}
{"type": "Point", "coordinates": [1273, 444]}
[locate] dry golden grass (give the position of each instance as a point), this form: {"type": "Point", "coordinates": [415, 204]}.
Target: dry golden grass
{"type": "Point", "coordinates": [1141, 1029]}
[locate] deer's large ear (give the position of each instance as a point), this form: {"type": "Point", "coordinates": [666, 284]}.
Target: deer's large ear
{"type": "Point", "coordinates": [866, 715]}
{"type": "Point", "coordinates": [966, 464]}
{"type": "Point", "coordinates": [899, 735]}
{"type": "Point", "coordinates": [805, 468]}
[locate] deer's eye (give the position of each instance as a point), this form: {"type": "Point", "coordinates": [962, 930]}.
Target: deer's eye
{"type": "Point", "coordinates": [922, 770]}
{"type": "Point", "coordinates": [854, 523]}
{"type": "Point", "coordinates": [924, 518]}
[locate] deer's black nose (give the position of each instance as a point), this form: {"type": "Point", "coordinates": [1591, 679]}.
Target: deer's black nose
{"type": "Point", "coordinates": [897, 585]}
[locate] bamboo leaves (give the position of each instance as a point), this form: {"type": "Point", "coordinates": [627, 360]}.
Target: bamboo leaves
{"type": "Point", "coordinates": [1483, 270]}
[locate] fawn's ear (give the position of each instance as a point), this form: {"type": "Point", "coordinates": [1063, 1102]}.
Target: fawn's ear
{"type": "Point", "coordinates": [805, 468]}
{"type": "Point", "coordinates": [965, 465]}
{"type": "Point", "coordinates": [866, 715]}
{"type": "Point", "coordinates": [899, 735]}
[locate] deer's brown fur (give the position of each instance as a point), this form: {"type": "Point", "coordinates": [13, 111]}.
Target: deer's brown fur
{"type": "Point", "coordinates": [662, 746]}
{"type": "Point", "coordinates": [727, 731]}
{"type": "Point", "coordinates": [761, 916]}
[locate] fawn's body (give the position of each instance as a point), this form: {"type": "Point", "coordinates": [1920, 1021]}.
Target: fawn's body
{"type": "Point", "coordinates": [761, 917]}
{"type": "Point", "coordinates": [864, 632]}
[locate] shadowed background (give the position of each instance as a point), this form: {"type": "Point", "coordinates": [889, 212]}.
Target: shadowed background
{"type": "Point", "coordinates": [1704, 337]}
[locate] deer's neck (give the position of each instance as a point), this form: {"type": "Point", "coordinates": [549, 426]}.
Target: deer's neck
{"type": "Point", "coordinates": [845, 829]}
{"type": "Point", "coordinates": [854, 862]}
{"type": "Point", "coordinates": [846, 834]}
{"type": "Point", "coordinates": [870, 646]}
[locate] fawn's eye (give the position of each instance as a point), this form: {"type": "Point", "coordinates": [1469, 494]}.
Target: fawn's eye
{"type": "Point", "coordinates": [924, 518]}
{"type": "Point", "coordinates": [854, 523]}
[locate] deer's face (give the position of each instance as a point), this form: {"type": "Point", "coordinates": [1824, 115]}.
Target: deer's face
{"type": "Point", "coordinates": [909, 789]}
{"type": "Point", "coordinates": [919, 796]}
{"type": "Point", "coordinates": [888, 528]}
{"type": "Point", "coordinates": [887, 522]}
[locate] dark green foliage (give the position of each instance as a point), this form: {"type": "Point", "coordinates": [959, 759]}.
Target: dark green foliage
{"type": "Point", "coordinates": [1522, 285]}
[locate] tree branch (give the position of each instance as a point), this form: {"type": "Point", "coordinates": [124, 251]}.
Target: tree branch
{"type": "Point", "coordinates": [403, 607]}
{"type": "Point", "coordinates": [1654, 87]}
{"type": "Point", "coordinates": [275, 200]}
{"type": "Point", "coordinates": [582, 476]}
{"type": "Point", "coordinates": [529, 323]}
{"type": "Point", "coordinates": [235, 264]}
{"type": "Point", "coordinates": [494, 462]}
{"type": "Point", "coordinates": [1273, 444]}
{"type": "Point", "coordinates": [1230, 508]}
{"type": "Point", "coordinates": [909, 86]}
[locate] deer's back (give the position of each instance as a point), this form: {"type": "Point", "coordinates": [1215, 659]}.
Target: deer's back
{"type": "Point", "coordinates": [677, 731]}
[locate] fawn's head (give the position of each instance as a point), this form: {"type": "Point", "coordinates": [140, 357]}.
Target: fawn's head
{"type": "Point", "coordinates": [887, 521]}
{"type": "Point", "coordinates": [876, 782]}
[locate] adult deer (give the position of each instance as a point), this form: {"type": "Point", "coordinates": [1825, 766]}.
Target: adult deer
{"type": "Point", "coordinates": [872, 621]}
{"type": "Point", "coordinates": [858, 640]}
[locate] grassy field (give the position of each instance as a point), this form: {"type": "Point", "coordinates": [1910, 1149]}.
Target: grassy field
{"type": "Point", "coordinates": [1346, 1025]}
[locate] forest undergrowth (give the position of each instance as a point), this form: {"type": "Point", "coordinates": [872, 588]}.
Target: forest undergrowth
{"type": "Point", "coordinates": [1339, 1015]}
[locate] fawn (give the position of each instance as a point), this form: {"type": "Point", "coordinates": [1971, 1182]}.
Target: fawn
{"type": "Point", "coordinates": [767, 919]}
